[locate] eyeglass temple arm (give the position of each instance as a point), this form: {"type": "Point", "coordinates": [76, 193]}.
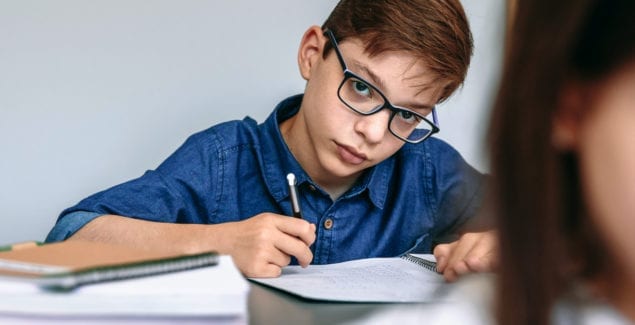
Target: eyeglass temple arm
{"type": "Point", "coordinates": [331, 37]}
{"type": "Point", "coordinates": [435, 118]}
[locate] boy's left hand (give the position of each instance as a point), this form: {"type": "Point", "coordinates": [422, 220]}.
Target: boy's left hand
{"type": "Point", "coordinates": [473, 252]}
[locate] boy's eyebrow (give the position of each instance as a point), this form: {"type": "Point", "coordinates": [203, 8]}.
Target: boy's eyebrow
{"type": "Point", "coordinates": [379, 83]}
{"type": "Point", "coordinates": [375, 79]}
{"type": "Point", "coordinates": [418, 106]}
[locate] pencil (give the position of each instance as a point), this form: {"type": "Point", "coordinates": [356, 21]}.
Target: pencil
{"type": "Point", "coordinates": [293, 192]}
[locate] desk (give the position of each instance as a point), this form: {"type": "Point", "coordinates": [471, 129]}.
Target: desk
{"type": "Point", "coordinates": [270, 306]}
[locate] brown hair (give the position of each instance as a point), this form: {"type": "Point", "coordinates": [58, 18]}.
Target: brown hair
{"type": "Point", "coordinates": [546, 239]}
{"type": "Point", "coordinates": [435, 31]}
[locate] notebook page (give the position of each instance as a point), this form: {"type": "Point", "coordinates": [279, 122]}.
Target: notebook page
{"type": "Point", "coordinates": [364, 280]}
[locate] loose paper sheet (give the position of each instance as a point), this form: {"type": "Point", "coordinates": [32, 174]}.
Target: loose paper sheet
{"type": "Point", "coordinates": [364, 280]}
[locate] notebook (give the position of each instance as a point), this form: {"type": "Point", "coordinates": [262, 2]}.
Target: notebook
{"type": "Point", "coordinates": [69, 264]}
{"type": "Point", "coordinates": [407, 279]}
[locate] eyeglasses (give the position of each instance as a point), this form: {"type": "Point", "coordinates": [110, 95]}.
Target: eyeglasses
{"type": "Point", "coordinates": [363, 98]}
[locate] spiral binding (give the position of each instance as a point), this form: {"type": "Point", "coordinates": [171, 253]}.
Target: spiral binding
{"type": "Point", "coordinates": [432, 266]}
{"type": "Point", "coordinates": [69, 281]}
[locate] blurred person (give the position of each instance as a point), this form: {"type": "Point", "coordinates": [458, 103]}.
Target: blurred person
{"type": "Point", "coordinates": [562, 142]}
{"type": "Point", "coordinates": [563, 157]}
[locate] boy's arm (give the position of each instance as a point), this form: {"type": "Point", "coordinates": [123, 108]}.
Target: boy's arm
{"type": "Point", "coordinates": [260, 246]}
{"type": "Point", "coordinates": [468, 241]}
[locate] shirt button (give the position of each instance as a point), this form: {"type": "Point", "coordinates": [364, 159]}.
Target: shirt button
{"type": "Point", "coordinates": [312, 188]}
{"type": "Point", "coordinates": [328, 223]}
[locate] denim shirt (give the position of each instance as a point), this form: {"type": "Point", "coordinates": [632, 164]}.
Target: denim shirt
{"type": "Point", "coordinates": [237, 169]}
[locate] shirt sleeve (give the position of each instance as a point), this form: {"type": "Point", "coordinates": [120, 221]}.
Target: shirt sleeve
{"type": "Point", "coordinates": [70, 224]}
{"type": "Point", "coordinates": [180, 190]}
{"type": "Point", "coordinates": [460, 190]}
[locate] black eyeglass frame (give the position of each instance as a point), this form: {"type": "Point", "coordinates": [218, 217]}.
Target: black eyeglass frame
{"type": "Point", "coordinates": [348, 74]}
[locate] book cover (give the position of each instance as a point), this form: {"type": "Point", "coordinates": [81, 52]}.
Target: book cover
{"type": "Point", "coordinates": [68, 264]}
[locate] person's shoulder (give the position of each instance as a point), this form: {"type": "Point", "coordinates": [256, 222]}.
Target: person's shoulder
{"type": "Point", "coordinates": [433, 150]}
{"type": "Point", "coordinates": [430, 145]}
{"type": "Point", "coordinates": [437, 157]}
{"type": "Point", "coordinates": [227, 134]}
{"type": "Point", "coordinates": [230, 128]}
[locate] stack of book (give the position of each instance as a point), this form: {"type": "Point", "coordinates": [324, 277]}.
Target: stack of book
{"type": "Point", "coordinates": [86, 279]}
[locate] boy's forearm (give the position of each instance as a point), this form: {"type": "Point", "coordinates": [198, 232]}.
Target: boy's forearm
{"type": "Point", "coordinates": [169, 237]}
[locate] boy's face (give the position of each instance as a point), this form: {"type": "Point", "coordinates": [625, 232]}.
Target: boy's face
{"type": "Point", "coordinates": [331, 141]}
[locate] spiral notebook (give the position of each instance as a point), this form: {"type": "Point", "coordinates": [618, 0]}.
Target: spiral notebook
{"type": "Point", "coordinates": [406, 279]}
{"type": "Point", "coordinates": [69, 264]}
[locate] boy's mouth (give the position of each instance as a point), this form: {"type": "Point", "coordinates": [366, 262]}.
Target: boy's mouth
{"type": "Point", "coordinates": [350, 155]}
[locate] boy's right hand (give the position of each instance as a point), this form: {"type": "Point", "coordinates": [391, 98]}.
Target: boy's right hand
{"type": "Point", "coordinates": [260, 246]}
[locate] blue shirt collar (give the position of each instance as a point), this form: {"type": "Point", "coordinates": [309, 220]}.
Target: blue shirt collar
{"type": "Point", "coordinates": [278, 161]}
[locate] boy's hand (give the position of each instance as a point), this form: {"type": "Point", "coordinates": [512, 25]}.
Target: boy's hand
{"type": "Point", "coordinates": [260, 246]}
{"type": "Point", "coordinates": [473, 252]}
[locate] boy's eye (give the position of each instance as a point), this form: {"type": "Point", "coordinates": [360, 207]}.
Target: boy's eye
{"type": "Point", "coordinates": [361, 88]}
{"type": "Point", "coordinates": [409, 117]}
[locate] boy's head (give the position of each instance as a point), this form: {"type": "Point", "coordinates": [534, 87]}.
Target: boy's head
{"type": "Point", "coordinates": [393, 61]}
{"type": "Point", "coordinates": [435, 31]}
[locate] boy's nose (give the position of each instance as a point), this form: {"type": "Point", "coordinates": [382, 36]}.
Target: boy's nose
{"type": "Point", "coordinates": [373, 127]}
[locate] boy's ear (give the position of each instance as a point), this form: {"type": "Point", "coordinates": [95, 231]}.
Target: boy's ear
{"type": "Point", "coordinates": [568, 117]}
{"type": "Point", "coordinates": [310, 51]}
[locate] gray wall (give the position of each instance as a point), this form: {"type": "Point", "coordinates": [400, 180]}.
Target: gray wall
{"type": "Point", "coordinates": [93, 93]}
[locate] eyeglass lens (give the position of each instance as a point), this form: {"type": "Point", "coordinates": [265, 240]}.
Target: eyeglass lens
{"type": "Point", "coordinates": [366, 99]}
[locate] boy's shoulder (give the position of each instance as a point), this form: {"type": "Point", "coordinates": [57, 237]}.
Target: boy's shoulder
{"type": "Point", "coordinates": [434, 153]}
{"type": "Point", "coordinates": [246, 125]}
{"type": "Point", "coordinates": [430, 147]}
{"type": "Point", "coordinates": [229, 134]}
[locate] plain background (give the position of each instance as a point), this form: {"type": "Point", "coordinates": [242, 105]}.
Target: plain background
{"type": "Point", "coordinates": [93, 93]}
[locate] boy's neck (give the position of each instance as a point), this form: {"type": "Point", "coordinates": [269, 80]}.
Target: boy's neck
{"type": "Point", "coordinates": [335, 193]}
{"type": "Point", "coordinates": [301, 149]}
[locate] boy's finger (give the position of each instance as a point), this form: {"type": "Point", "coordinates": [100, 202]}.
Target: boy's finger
{"type": "Point", "coordinates": [295, 247]}
{"type": "Point", "coordinates": [301, 229]}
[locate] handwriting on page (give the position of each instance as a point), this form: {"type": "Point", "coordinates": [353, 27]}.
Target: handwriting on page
{"type": "Point", "coordinates": [356, 277]}
{"type": "Point", "coordinates": [375, 279]}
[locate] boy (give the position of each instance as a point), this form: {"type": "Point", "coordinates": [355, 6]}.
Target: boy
{"type": "Point", "coordinates": [370, 179]}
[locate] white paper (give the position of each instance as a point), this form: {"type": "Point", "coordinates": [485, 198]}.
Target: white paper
{"type": "Point", "coordinates": [365, 280]}
{"type": "Point", "coordinates": [210, 291]}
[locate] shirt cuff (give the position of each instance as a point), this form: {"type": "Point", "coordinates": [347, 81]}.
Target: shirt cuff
{"type": "Point", "coordinates": [70, 224]}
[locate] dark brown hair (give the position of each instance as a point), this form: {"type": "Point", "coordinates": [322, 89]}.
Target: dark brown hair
{"type": "Point", "coordinates": [435, 31]}
{"type": "Point", "coordinates": [546, 240]}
